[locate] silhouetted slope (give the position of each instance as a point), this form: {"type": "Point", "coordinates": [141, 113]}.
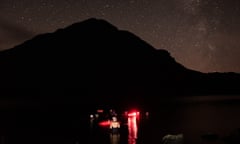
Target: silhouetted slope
{"type": "Point", "coordinates": [93, 59]}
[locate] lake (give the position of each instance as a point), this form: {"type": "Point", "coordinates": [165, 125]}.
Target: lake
{"type": "Point", "coordinates": [201, 120]}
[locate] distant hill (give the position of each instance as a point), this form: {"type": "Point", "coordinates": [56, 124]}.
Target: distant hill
{"type": "Point", "coordinates": [95, 61]}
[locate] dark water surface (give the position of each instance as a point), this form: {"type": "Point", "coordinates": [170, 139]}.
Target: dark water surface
{"type": "Point", "coordinates": [209, 119]}
{"type": "Point", "coordinates": [201, 120]}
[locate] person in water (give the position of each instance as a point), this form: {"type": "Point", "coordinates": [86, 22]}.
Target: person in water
{"type": "Point", "coordinates": [114, 125]}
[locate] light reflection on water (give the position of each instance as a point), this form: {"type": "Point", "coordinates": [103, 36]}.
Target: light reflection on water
{"type": "Point", "coordinates": [198, 118]}
{"type": "Point", "coordinates": [195, 117]}
{"type": "Point", "coordinates": [132, 127]}
{"type": "Point", "coordinates": [114, 138]}
{"type": "Point", "coordinates": [128, 133]}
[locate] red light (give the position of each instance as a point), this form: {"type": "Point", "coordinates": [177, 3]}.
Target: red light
{"type": "Point", "coordinates": [132, 114]}
{"type": "Point", "coordinates": [100, 110]}
{"type": "Point", "coordinates": [132, 129]}
{"type": "Point", "coordinates": [104, 123]}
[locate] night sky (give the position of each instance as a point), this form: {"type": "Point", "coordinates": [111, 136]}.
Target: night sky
{"type": "Point", "coordinates": [203, 35]}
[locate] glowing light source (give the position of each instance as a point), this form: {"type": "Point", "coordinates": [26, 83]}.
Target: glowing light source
{"type": "Point", "coordinates": [133, 113]}
{"type": "Point", "coordinates": [100, 110]}
{"type": "Point", "coordinates": [104, 123]}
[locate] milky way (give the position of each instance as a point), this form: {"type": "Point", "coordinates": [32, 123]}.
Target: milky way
{"type": "Point", "coordinates": [203, 35]}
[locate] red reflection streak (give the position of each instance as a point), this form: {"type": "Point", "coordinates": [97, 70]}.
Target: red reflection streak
{"type": "Point", "coordinates": [104, 123]}
{"type": "Point", "coordinates": [132, 129]}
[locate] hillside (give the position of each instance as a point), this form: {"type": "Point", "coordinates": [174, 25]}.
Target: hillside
{"type": "Point", "coordinates": [95, 61]}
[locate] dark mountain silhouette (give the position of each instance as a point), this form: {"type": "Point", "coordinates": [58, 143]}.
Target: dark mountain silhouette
{"type": "Point", "coordinates": [94, 58]}
{"type": "Point", "coordinates": [93, 63]}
